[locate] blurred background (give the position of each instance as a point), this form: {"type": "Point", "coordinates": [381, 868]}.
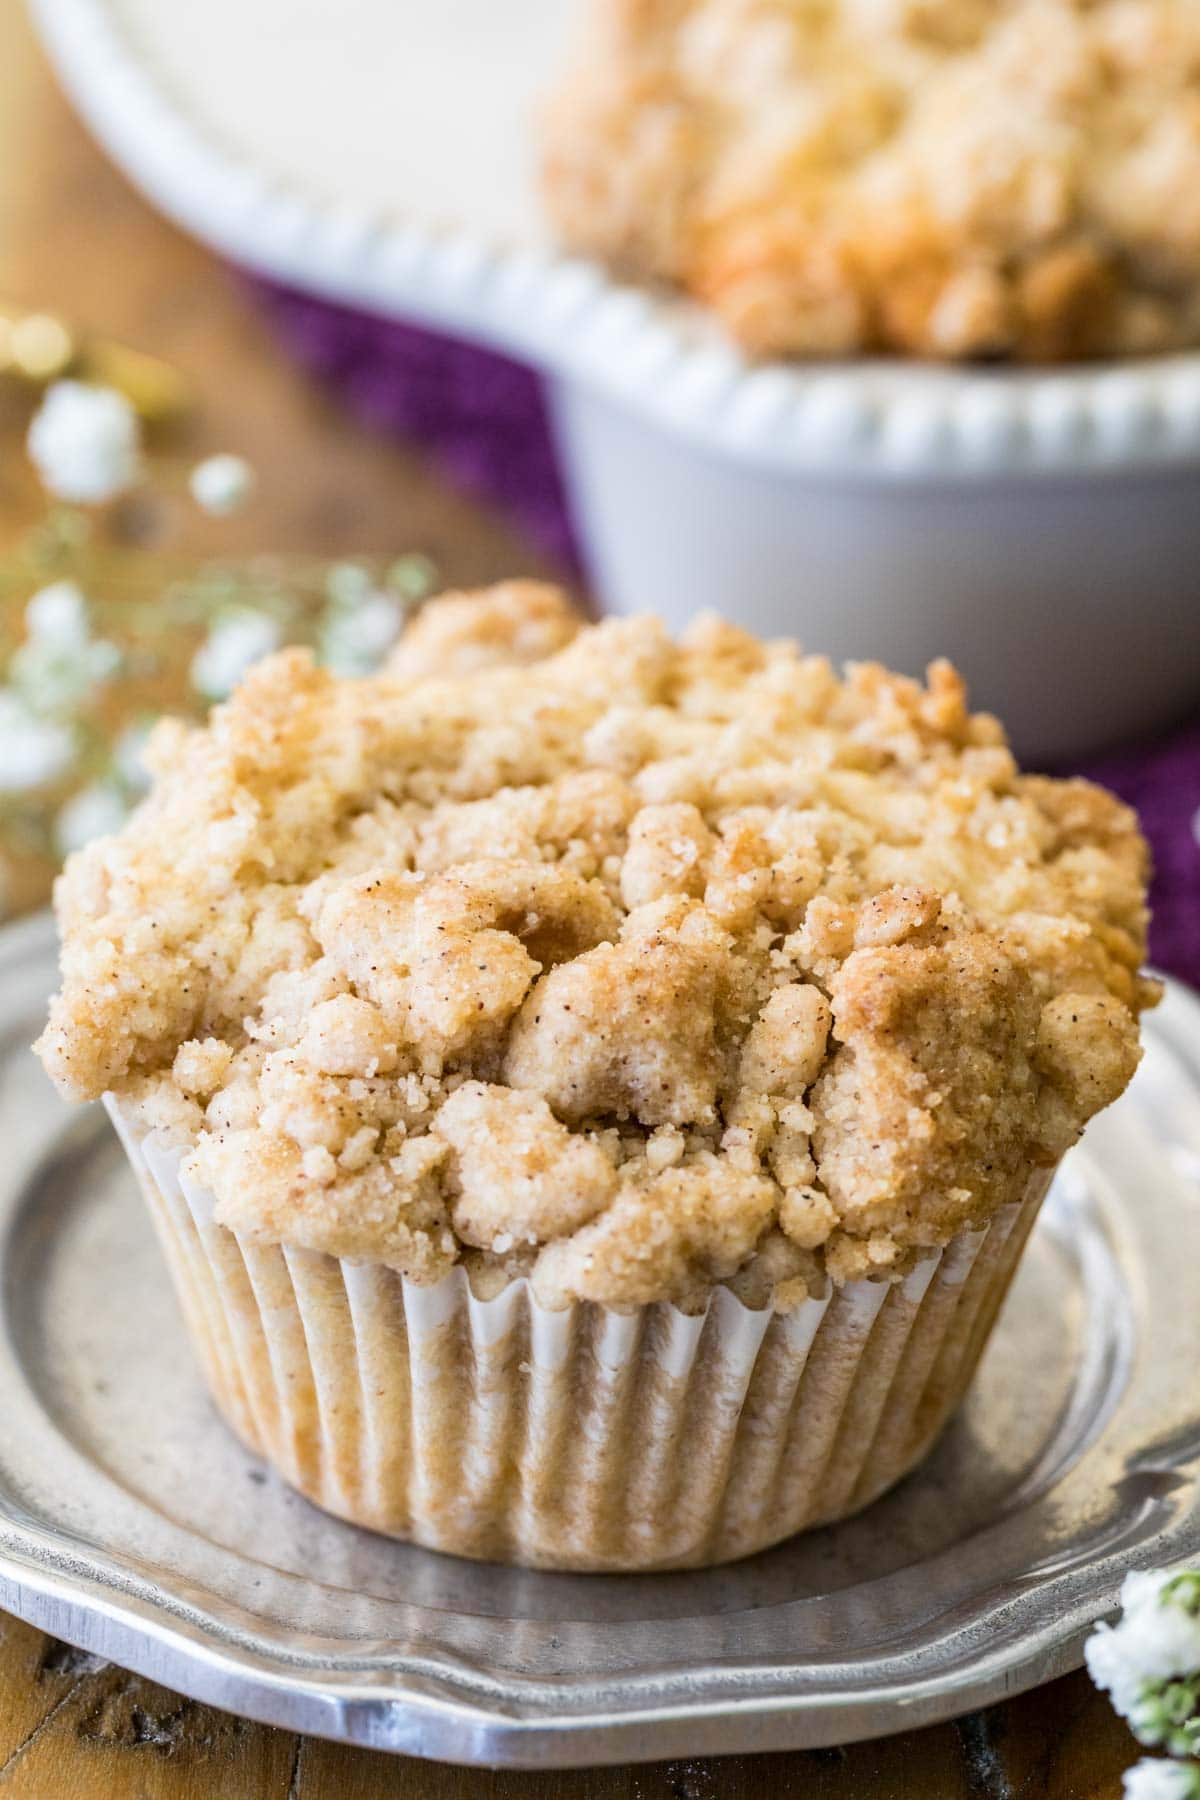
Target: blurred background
{"type": "Point", "coordinates": [215, 363]}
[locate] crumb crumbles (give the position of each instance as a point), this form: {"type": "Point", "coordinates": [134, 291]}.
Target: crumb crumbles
{"type": "Point", "coordinates": [629, 964]}
{"type": "Point", "coordinates": [950, 178]}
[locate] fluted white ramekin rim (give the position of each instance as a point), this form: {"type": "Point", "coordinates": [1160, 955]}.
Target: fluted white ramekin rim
{"type": "Point", "coordinates": [663, 360]}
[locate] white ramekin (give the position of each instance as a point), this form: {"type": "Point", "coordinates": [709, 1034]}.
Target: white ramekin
{"type": "Point", "coordinates": [1040, 527]}
{"type": "Point", "coordinates": [583, 1438]}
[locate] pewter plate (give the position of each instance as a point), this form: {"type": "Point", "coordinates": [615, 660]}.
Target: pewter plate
{"type": "Point", "coordinates": [133, 1525]}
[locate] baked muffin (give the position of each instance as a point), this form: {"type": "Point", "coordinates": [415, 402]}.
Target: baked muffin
{"type": "Point", "coordinates": [593, 1089]}
{"type": "Point", "coordinates": [946, 178]}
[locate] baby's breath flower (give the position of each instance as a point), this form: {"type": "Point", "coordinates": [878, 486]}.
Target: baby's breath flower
{"type": "Point", "coordinates": [353, 639]}
{"type": "Point", "coordinates": [129, 755]}
{"type": "Point", "coordinates": [33, 751]}
{"type": "Point", "coordinates": [1153, 1779]}
{"type": "Point", "coordinates": [85, 442]}
{"type": "Point", "coordinates": [221, 484]}
{"type": "Point", "coordinates": [233, 644]}
{"type": "Point", "coordinates": [91, 813]}
{"type": "Point", "coordinates": [348, 583]}
{"type": "Point", "coordinates": [58, 614]}
{"type": "Point", "coordinates": [60, 663]}
{"type": "Point", "coordinates": [413, 577]}
{"type": "Point", "coordinates": [1150, 1661]}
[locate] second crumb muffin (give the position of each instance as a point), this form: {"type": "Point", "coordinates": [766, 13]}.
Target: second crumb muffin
{"type": "Point", "coordinates": [941, 178]}
{"type": "Point", "coordinates": [593, 1089]}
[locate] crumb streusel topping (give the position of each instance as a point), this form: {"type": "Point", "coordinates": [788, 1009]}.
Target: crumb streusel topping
{"type": "Point", "coordinates": [630, 964]}
{"type": "Point", "coordinates": [949, 178]}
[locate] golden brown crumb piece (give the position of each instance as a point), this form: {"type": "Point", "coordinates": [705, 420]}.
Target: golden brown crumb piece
{"type": "Point", "coordinates": [519, 1176]}
{"type": "Point", "coordinates": [683, 1230]}
{"type": "Point", "coordinates": [516, 622]}
{"type": "Point", "coordinates": [628, 1030]}
{"type": "Point", "coordinates": [785, 1047]}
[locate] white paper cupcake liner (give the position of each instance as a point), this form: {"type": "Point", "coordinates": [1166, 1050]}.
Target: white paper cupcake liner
{"type": "Point", "coordinates": [583, 1438]}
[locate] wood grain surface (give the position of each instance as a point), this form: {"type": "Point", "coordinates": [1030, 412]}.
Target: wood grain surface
{"type": "Point", "coordinates": [75, 238]}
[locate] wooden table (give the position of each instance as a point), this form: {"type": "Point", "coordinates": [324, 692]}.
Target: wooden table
{"type": "Point", "coordinates": [74, 237]}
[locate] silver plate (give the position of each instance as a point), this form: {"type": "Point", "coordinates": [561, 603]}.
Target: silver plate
{"type": "Point", "coordinates": [133, 1525]}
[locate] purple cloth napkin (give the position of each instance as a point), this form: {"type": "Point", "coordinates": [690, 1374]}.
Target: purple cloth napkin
{"type": "Point", "coordinates": [1162, 780]}
{"type": "Point", "coordinates": [481, 416]}
{"type": "Point", "coordinates": [484, 420]}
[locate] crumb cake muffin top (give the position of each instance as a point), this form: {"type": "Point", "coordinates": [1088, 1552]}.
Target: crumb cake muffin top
{"type": "Point", "coordinates": [948, 178]}
{"type": "Point", "coordinates": [629, 964]}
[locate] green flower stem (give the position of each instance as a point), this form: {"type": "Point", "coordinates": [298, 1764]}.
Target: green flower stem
{"type": "Point", "coordinates": [1167, 1716]}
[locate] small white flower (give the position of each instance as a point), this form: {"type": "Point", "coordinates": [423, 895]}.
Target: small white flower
{"type": "Point", "coordinates": [221, 484]}
{"type": "Point", "coordinates": [353, 639]}
{"type": "Point", "coordinates": [1152, 1779]}
{"type": "Point", "coordinates": [85, 442]}
{"type": "Point", "coordinates": [233, 644]}
{"type": "Point", "coordinates": [93, 812]}
{"type": "Point", "coordinates": [347, 583]}
{"type": "Point", "coordinates": [58, 614]}
{"type": "Point", "coordinates": [60, 663]}
{"type": "Point", "coordinates": [129, 755]}
{"type": "Point", "coordinates": [57, 674]}
{"type": "Point", "coordinates": [33, 751]}
{"type": "Point", "coordinates": [1150, 1661]}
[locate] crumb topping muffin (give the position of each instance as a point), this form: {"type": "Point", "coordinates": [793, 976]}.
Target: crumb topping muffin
{"type": "Point", "coordinates": [950, 178]}
{"type": "Point", "coordinates": [627, 964]}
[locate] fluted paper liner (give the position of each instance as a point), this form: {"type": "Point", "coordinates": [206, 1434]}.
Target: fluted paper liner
{"type": "Point", "coordinates": [583, 1438]}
